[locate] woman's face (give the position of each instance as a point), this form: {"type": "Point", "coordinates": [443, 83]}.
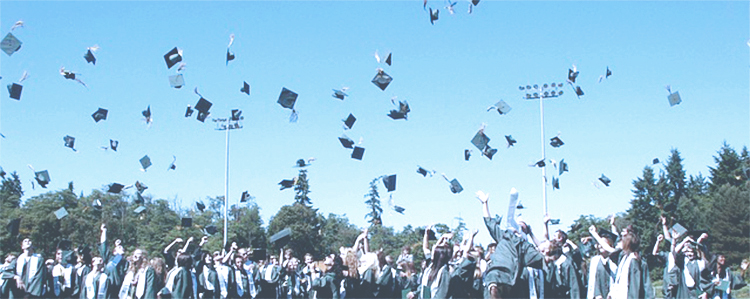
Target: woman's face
{"type": "Point", "coordinates": [720, 260]}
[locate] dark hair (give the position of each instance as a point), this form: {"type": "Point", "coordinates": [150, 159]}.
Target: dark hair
{"type": "Point", "coordinates": [337, 268]}
{"type": "Point", "coordinates": [631, 242]}
{"type": "Point", "coordinates": [185, 260]}
{"type": "Point", "coordinates": [440, 258]}
{"type": "Point", "coordinates": [564, 235]}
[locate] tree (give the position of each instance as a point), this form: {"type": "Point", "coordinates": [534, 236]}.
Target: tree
{"type": "Point", "coordinates": [730, 221]}
{"type": "Point", "coordinates": [643, 214]}
{"type": "Point", "coordinates": [337, 232]}
{"type": "Point", "coordinates": [10, 192]}
{"type": "Point", "coordinates": [373, 203]}
{"type": "Point", "coordinates": [302, 188]}
{"type": "Point", "coordinates": [728, 169]}
{"type": "Point", "coordinates": [305, 224]}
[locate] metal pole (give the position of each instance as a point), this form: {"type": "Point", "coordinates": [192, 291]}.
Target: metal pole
{"type": "Point", "coordinates": [544, 156]}
{"type": "Point", "coordinates": [226, 184]}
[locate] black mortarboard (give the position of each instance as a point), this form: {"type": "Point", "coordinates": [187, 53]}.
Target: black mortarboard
{"type": "Point", "coordinates": [236, 115]}
{"type": "Point", "coordinates": [140, 186]}
{"type": "Point", "coordinates": [177, 81]}
{"type": "Point", "coordinates": [674, 98]}
{"type": "Point", "coordinates": [489, 152]}
{"type": "Point", "coordinates": [563, 167]}
{"type": "Point", "coordinates": [388, 59]}
{"type": "Point", "coordinates": [61, 213]}
{"type": "Point", "coordinates": [13, 227]}
{"type": "Point", "coordinates": [349, 121]}
{"type": "Point", "coordinates": [287, 183]}
{"type": "Point", "coordinates": [245, 88]}
{"type": "Point", "coordinates": [100, 114]}
{"type": "Point", "coordinates": [64, 244]}
{"type": "Point", "coordinates": [287, 98]}
{"type": "Point", "coordinates": [346, 141]}
{"type": "Point", "coordinates": [115, 188]}
{"type": "Point", "coordinates": [381, 79]}
{"type": "Point", "coordinates": [339, 94]}
{"type": "Point", "coordinates": [555, 183]}
{"type": "Point", "coordinates": [230, 56]}
{"type": "Point", "coordinates": [203, 105]}
{"type": "Point", "coordinates": [467, 154]}
{"type": "Point", "coordinates": [609, 73]}
{"type": "Point", "coordinates": [358, 152]}
{"type": "Point", "coordinates": [42, 178]}
{"type": "Point", "coordinates": [390, 182]}
{"type": "Point", "coordinates": [456, 187]}
{"type": "Point", "coordinates": [608, 235]}
{"type": "Point", "coordinates": [189, 111]}
{"type": "Point", "coordinates": [554, 221]}
{"type": "Point", "coordinates": [401, 113]}
{"type": "Point", "coordinates": [70, 141]}
{"type": "Point", "coordinates": [147, 113]}
{"type": "Point", "coordinates": [301, 163]}
{"type": "Point", "coordinates": [14, 89]}
{"type": "Point", "coordinates": [480, 140]}
{"type": "Point", "coordinates": [139, 210]}
{"type": "Point", "coordinates": [282, 237]}
{"type": "Point", "coordinates": [211, 229]}
{"type": "Point", "coordinates": [186, 222]}
{"type": "Point", "coordinates": [475, 2]}
{"type": "Point", "coordinates": [423, 171]}
{"type": "Point", "coordinates": [399, 209]}
{"type": "Point", "coordinates": [145, 162]}
{"type": "Point", "coordinates": [10, 44]}
{"type": "Point", "coordinates": [245, 196]}
{"type": "Point", "coordinates": [539, 163]}
{"type": "Point", "coordinates": [258, 255]}
{"type": "Point", "coordinates": [434, 14]}
{"type": "Point", "coordinates": [572, 75]}
{"type": "Point", "coordinates": [579, 91]}
{"type": "Point", "coordinates": [556, 142]}
{"type": "Point", "coordinates": [655, 161]}
{"type": "Point", "coordinates": [113, 144]}
{"type": "Point", "coordinates": [200, 206]}
{"type": "Point", "coordinates": [173, 57]}
{"type": "Point", "coordinates": [430, 234]}
{"type": "Point", "coordinates": [90, 58]}
{"type": "Point", "coordinates": [605, 180]}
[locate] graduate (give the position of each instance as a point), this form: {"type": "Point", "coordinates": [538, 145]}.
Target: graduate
{"type": "Point", "coordinates": [82, 268]}
{"type": "Point", "coordinates": [183, 284]}
{"type": "Point", "coordinates": [385, 281]}
{"type": "Point", "coordinates": [159, 267]}
{"type": "Point", "coordinates": [139, 281]}
{"type": "Point", "coordinates": [601, 268]}
{"type": "Point", "coordinates": [724, 281]}
{"type": "Point", "coordinates": [270, 275]}
{"type": "Point", "coordinates": [63, 274]}
{"type": "Point", "coordinates": [115, 263]}
{"type": "Point", "coordinates": [632, 279]}
{"type": "Point", "coordinates": [8, 288]}
{"type": "Point", "coordinates": [31, 272]}
{"type": "Point", "coordinates": [96, 283]}
{"type": "Point", "coordinates": [308, 269]}
{"type": "Point", "coordinates": [692, 263]}
{"type": "Point", "coordinates": [436, 277]}
{"type": "Point", "coordinates": [328, 284]}
{"type": "Point", "coordinates": [208, 280]}
{"type": "Point", "coordinates": [672, 273]}
{"type": "Point", "coordinates": [241, 278]}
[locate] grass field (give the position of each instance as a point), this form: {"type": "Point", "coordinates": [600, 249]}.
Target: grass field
{"type": "Point", "coordinates": [743, 293]}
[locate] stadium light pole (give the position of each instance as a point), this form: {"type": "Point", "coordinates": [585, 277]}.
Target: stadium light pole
{"type": "Point", "coordinates": [227, 124]}
{"type": "Point", "coordinates": [537, 92]}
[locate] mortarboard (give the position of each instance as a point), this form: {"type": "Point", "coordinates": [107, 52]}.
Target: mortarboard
{"type": "Point", "coordinates": [502, 107]}
{"type": "Point", "coordinates": [349, 121]}
{"type": "Point", "coordinates": [430, 234]}
{"type": "Point", "coordinates": [202, 116]}
{"type": "Point", "coordinates": [388, 59]}
{"type": "Point", "coordinates": [89, 56]}
{"type": "Point", "coordinates": [237, 115]}
{"type": "Point", "coordinates": [245, 196]}
{"type": "Point", "coordinates": [401, 113]}
{"type": "Point", "coordinates": [677, 230]}
{"type": "Point", "coordinates": [61, 213]}
{"type": "Point", "coordinates": [189, 111]}
{"type": "Point", "coordinates": [287, 98]}
{"type": "Point", "coordinates": [475, 2]}
{"type": "Point", "coordinates": [555, 183]}
{"type": "Point", "coordinates": [145, 162]}
{"type": "Point", "coordinates": [605, 180]}
{"type": "Point", "coordinates": [139, 210]}
{"type": "Point", "coordinates": [113, 144]}
{"type": "Point", "coordinates": [556, 142]}
{"type": "Point", "coordinates": [539, 163]}
{"type": "Point", "coordinates": [390, 182]}
{"type": "Point", "coordinates": [489, 152]}
{"type": "Point", "coordinates": [607, 235]}
{"type": "Point", "coordinates": [200, 206]}
{"type": "Point", "coordinates": [282, 237]}
{"type": "Point", "coordinates": [456, 187]}
{"type": "Point", "coordinates": [100, 114]}
{"type": "Point", "coordinates": [480, 140]}
{"type": "Point", "coordinates": [674, 98]}
{"type": "Point", "coordinates": [14, 89]}
{"type": "Point", "coordinates": [186, 222]}
{"type": "Point", "coordinates": [258, 255]}
{"type": "Point", "coordinates": [210, 229]}
{"type": "Point", "coordinates": [554, 221]}
{"type": "Point", "coordinates": [172, 166]}
{"type": "Point", "coordinates": [563, 167]}
{"type": "Point", "coordinates": [339, 94]}
{"type": "Point", "coordinates": [203, 105]}
{"type": "Point", "coordinates": [424, 171]}
{"type": "Point", "coordinates": [177, 81]}
{"type": "Point", "coordinates": [358, 152]}
{"type": "Point", "coordinates": [434, 14]}
{"type": "Point", "coordinates": [381, 79]}
{"type": "Point", "coordinates": [10, 44]}
{"type": "Point", "coordinates": [467, 154]}
{"type": "Point", "coordinates": [609, 73]}
{"type": "Point", "coordinates": [579, 91]}
{"type": "Point", "coordinates": [70, 142]}
{"type": "Point", "coordinates": [287, 183]}
{"type": "Point", "coordinates": [140, 186]}
{"type": "Point", "coordinates": [346, 141]}
{"type": "Point", "coordinates": [42, 178]}
{"type": "Point", "coordinates": [147, 113]}
{"type": "Point", "coordinates": [655, 161]}
{"type": "Point", "coordinates": [13, 227]}
{"type": "Point", "coordinates": [399, 209]}
{"type": "Point", "coordinates": [572, 74]}
{"type": "Point", "coordinates": [115, 188]}
{"type": "Point", "coordinates": [230, 56]}
{"type": "Point", "coordinates": [173, 57]}
{"type": "Point", "coordinates": [245, 88]}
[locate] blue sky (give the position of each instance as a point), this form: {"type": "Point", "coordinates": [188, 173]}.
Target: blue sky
{"type": "Point", "coordinates": [449, 72]}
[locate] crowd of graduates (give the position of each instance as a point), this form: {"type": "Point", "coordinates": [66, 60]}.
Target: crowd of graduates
{"type": "Point", "coordinates": [516, 265]}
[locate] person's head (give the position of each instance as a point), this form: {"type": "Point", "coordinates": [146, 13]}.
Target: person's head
{"type": "Point", "coordinates": [551, 250]}
{"type": "Point", "coordinates": [9, 258]}
{"type": "Point", "coordinates": [631, 240]}
{"type": "Point", "coordinates": [27, 245]}
{"type": "Point", "coordinates": [97, 263]}
{"type": "Point", "coordinates": [407, 268]}
{"type": "Point", "coordinates": [490, 250]}
{"type": "Point", "coordinates": [440, 257]}
{"type": "Point", "coordinates": [721, 259]}
{"type": "Point", "coordinates": [139, 256]}
{"type": "Point", "coordinates": [242, 252]}
{"type": "Point", "coordinates": [272, 260]}
{"type": "Point", "coordinates": [406, 250]}
{"type": "Point", "coordinates": [352, 264]}
{"type": "Point", "coordinates": [238, 261]}
{"type": "Point", "coordinates": [288, 253]}
{"type": "Point", "coordinates": [217, 257]}
{"type": "Point", "coordinates": [58, 256]}
{"type": "Point", "coordinates": [159, 266]}
{"type": "Point", "coordinates": [308, 258]}
{"type": "Point", "coordinates": [185, 260]}
{"type": "Point", "coordinates": [560, 236]}
{"type": "Point", "coordinates": [689, 251]}
{"type": "Point", "coordinates": [388, 260]}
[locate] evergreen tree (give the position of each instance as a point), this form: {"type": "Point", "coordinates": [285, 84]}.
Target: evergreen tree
{"type": "Point", "coordinates": [373, 203]}
{"type": "Point", "coordinates": [730, 221]}
{"type": "Point", "coordinates": [728, 169]}
{"type": "Point", "coordinates": [643, 214]}
{"type": "Point", "coordinates": [305, 223]}
{"type": "Point", "coordinates": [337, 232]}
{"type": "Point", "coordinates": [302, 188]}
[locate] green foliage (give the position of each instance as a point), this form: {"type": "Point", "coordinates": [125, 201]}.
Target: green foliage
{"type": "Point", "coordinates": [302, 188]}
{"type": "Point", "coordinates": [728, 169]}
{"type": "Point", "coordinates": [373, 203]}
{"type": "Point", "coordinates": [305, 223]}
{"type": "Point", "coordinates": [10, 192]}
{"type": "Point", "coordinates": [730, 218]}
{"type": "Point", "coordinates": [338, 232]}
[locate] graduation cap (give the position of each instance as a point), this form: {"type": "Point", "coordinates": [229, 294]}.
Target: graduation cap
{"type": "Point", "coordinates": [381, 79]}
{"type": "Point", "coordinates": [563, 167]}
{"type": "Point", "coordinates": [655, 161]}
{"type": "Point", "coordinates": [202, 106]}
{"type": "Point", "coordinates": [399, 209]}
{"type": "Point", "coordinates": [434, 14]}
{"type": "Point", "coordinates": [71, 76]}
{"type": "Point", "coordinates": [579, 91]}
{"type": "Point", "coordinates": [115, 188]}
{"type": "Point", "coordinates": [236, 115]}
{"type": "Point", "coordinates": [539, 163]}
{"type": "Point", "coordinates": [674, 98]}
{"type": "Point", "coordinates": [89, 56]}
{"type": "Point", "coordinates": [177, 81]}
{"type": "Point", "coordinates": [489, 152]}
{"type": "Point", "coordinates": [139, 210]}
{"type": "Point", "coordinates": [10, 44]}
{"type": "Point", "coordinates": [210, 229]}
{"type": "Point", "coordinates": [245, 196]}
{"type": "Point", "coordinates": [480, 140]}
{"type": "Point", "coordinates": [145, 162]}
{"type": "Point", "coordinates": [70, 142]}
{"type": "Point", "coordinates": [189, 111]}
{"type": "Point", "coordinates": [456, 186]}
{"type": "Point", "coordinates": [430, 234]}
{"type": "Point", "coordinates": [556, 142]}
{"type": "Point", "coordinates": [358, 152]}
{"type": "Point", "coordinates": [140, 186]}
{"type": "Point", "coordinates": [346, 141]}
{"type": "Point", "coordinates": [606, 75]}
{"type": "Point", "coordinates": [282, 237]}
{"type": "Point", "coordinates": [608, 235]}
{"type": "Point", "coordinates": [14, 89]}
{"type": "Point", "coordinates": [186, 222]}
{"type": "Point", "coordinates": [401, 113]}
{"type": "Point", "coordinates": [13, 227]}
{"type": "Point", "coordinates": [61, 213]}
{"type": "Point", "coordinates": [554, 221]}
{"type": "Point", "coordinates": [173, 57]}
{"type": "Point", "coordinates": [172, 166]}
{"type": "Point", "coordinates": [388, 59]}
{"type": "Point", "coordinates": [230, 55]}
{"type": "Point", "coordinates": [113, 144]}
{"type": "Point", "coordinates": [42, 178]}
{"type": "Point", "coordinates": [287, 98]}
{"type": "Point", "coordinates": [303, 163]}
{"type": "Point", "coordinates": [339, 94]}
{"type": "Point", "coordinates": [605, 180]}
{"type": "Point", "coordinates": [245, 88]}
{"type": "Point", "coordinates": [258, 255]}
{"type": "Point", "coordinates": [424, 172]}
{"type": "Point", "coordinates": [572, 74]}
{"type": "Point", "coordinates": [555, 183]}
{"type": "Point", "coordinates": [390, 182]}
{"type": "Point", "coordinates": [467, 154]}
{"type": "Point", "coordinates": [349, 121]}
{"type": "Point", "coordinates": [200, 206]}
{"type": "Point", "coordinates": [147, 113]}
{"type": "Point", "coordinates": [677, 230]}
{"type": "Point", "coordinates": [502, 107]}
{"type": "Point", "coordinates": [287, 183]}
{"type": "Point", "coordinates": [100, 114]}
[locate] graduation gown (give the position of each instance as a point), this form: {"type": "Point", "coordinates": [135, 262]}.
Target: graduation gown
{"type": "Point", "coordinates": [385, 283]}
{"type": "Point", "coordinates": [439, 288]}
{"type": "Point", "coordinates": [63, 281]}
{"type": "Point", "coordinates": [268, 279]}
{"type": "Point", "coordinates": [8, 286]}
{"type": "Point", "coordinates": [602, 278]}
{"type": "Point", "coordinates": [638, 278]}
{"type": "Point", "coordinates": [327, 286]}
{"type": "Point", "coordinates": [115, 267]}
{"type": "Point", "coordinates": [241, 283]}
{"type": "Point", "coordinates": [95, 286]}
{"type": "Point", "coordinates": [730, 280]}
{"type": "Point", "coordinates": [184, 284]}
{"type": "Point", "coordinates": [208, 282]}
{"type": "Point", "coordinates": [129, 289]}
{"type": "Point", "coordinates": [511, 255]}
{"type": "Point", "coordinates": [33, 272]}
{"type": "Point", "coordinates": [462, 279]}
{"type": "Point", "coordinates": [81, 273]}
{"type": "Point", "coordinates": [568, 282]}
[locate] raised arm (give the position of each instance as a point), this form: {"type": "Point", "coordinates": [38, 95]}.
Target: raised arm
{"type": "Point", "coordinates": [527, 230]}
{"type": "Point", "coordinates": [169, 247]}
{"type": "Point", "coordinates": [468, 244]}
{"type": "Point", "coordinates": [185, 248]}
{"type": "Point", "coordinates": [687, 239]}
{"type": "Point", "coordinates": [426, 241]}
{"type": "Point", "coordinates": [665, 229]}
{"type": "Point", "coordinates": [600, 240]}
{"type": "Point", "coordinates": [366, 241]}
{"type": "Point", "coordinates": [484, 198]}
{"type": "Point", "coordinates": [655, 251]}
{"type": "Point", "coordinates": [230, 254]}
{"type": "Point", "coordinates": [612, 225]}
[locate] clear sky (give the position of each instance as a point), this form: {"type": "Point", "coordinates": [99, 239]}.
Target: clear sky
{"type": "Point", "coordinates": [449, 73]}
